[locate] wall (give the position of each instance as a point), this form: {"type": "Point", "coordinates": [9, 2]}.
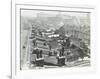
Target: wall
{"type": "Point", "coordinates": [5, 34]}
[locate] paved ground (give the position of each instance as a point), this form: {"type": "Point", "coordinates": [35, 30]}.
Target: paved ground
{"type": "Point", "coordinates": [81, 63]}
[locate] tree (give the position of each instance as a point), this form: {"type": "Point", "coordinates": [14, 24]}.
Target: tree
{"type": "Point", "coordinates": [81, 53]}
{"type": "Point", "coordinates": [62, 31]}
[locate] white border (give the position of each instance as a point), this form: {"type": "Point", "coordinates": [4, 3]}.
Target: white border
{"type": "Point", "coordinates": [26, 74]}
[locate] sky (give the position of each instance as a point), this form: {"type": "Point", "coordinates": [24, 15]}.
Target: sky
{"type": "Point", "coordinates": [33, 13]}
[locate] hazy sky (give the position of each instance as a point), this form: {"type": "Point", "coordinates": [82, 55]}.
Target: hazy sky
{"type": "Point", "coordinates": [33, 13]}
